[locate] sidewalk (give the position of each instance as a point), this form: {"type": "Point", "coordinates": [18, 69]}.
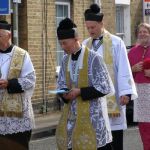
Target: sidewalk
{"type": "Point", "coordinates": [43, 137]}
{"type": "Point", "coordinates": [132, 140]}
{"type": "Point", "coordinates": [43, 121]}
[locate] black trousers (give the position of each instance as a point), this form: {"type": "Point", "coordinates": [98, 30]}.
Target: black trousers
{"type": "Point", "coordinates": [106, 147]}
{"type": "Point", "coordinates": [16, 141]}
{"type": "Point", "coordinates": [117, 143]}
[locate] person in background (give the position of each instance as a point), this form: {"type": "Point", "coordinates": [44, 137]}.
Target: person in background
{"type": "Point", "coordinates": [83, 75]}
{"type": "Point", "coordinates": [17, 81]}
{"type": "Point", "coordinates": [139, 57]}
{"type": "Point", "coordinates": [114, 53]}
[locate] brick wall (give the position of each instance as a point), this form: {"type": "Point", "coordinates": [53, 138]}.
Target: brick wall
{"type": "Point", "coordinates": [33, 16]}
{"type": "Point", "coordinates": [22, 25]}
{"type": "Point", "coordinates": [108, 8]}
{"type": "Point", "coordinates": [37, 34]}
{"type": "Point", "coordinates": [78, 16]}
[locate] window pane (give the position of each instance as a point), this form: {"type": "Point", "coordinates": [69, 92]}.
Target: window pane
{"type": "Point", "coordinates": [65, 11]}
{"type": "Point", "coordinates": [120, 21]}
{"type": "Point", "coordinates": [58, 20]}
{"type": "Point", "coordinates": [59, 10]}
{"type": "Point", "coordinates": [60, 54]}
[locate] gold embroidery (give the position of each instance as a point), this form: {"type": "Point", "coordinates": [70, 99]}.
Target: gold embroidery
{"type": "Point", "coordinates": [11, 104]}
{"type": "Point", "coordinates": [83, 136]}
{"type": "Point", "coordinates": [113, 108]}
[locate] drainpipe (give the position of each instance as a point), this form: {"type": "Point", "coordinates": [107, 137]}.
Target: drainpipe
{"type": "Point", "coordinates": [15, 21]}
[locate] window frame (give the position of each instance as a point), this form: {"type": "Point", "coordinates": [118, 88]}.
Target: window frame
{"type": "Point", "coordinates": [62, 3]}
{"type": "Point", "coordinates": [121, 34]}
{"type": "Point", "coordinates": [127, 21]}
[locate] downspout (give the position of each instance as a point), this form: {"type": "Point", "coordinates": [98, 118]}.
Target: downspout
{"type": "Point", "coordinates": [43, 58]}
{"type": "Point", "coordinates": [15, 22]}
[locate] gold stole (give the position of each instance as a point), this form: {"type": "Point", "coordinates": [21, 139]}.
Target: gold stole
{"type": "Point", "coordinates": [11, 104]}
{"type": "Point", "coordinates": [83, 136]}
{"type": "Point", "coordinates": [113, 108]}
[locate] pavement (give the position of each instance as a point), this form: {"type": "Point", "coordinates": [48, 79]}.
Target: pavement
{"type": "Point", "coordinates": [43, 137]}
{"type": "Point", "coordinates": [49, 120]}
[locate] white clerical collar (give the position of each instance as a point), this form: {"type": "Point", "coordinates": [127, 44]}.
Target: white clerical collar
{"type": "Point", "coordinates": [77, 50]}
{"type": "Point", "coordinates": [80, 59]}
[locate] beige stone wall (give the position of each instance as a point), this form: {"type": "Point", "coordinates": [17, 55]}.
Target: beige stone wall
{"type": "Point", "coordinates": [109, 10]}
{"type": "Point", "coordinates": [37, 34]}
{"type": "Point", "coordinates": [32, 22]}
{"type": "Point", "coordinates": [22, 25]}
{"type": "Point", "coordinates": [78, 16]}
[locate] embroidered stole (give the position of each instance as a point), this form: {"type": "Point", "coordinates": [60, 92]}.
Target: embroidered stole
{"type": "Point", "coordinates": [83, 136]}
{"type": "Point", "coordinates": [11, 104]}
{"type": "Point", "coordinates": [96, 46]}
{"type": "Point", "coordinates": [113, 107]}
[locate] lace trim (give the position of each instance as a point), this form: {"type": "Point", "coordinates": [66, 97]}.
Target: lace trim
{"type": "Point", "coordinates": [142, 103]}
{"type": "Point", "coordinates": [14, 125]}
{"type": "Point", "coordinates": [10, 125]}
{"type": "Point", "coordinates": [28, 81]}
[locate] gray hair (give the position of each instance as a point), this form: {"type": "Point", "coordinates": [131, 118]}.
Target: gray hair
{"type": "Point", "coordinates": [145, 25]}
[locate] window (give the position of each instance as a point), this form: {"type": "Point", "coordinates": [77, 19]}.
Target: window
{"type": "Point", "coordinates": [62, 11]}
{"type": "Point", "coordinates": [120, 21]}
{"type": "Point", "coordinates": [123, 21]}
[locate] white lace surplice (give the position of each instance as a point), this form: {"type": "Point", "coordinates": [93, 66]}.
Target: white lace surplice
{"type": "Point", "coordinates": [98, 78]}
{"type": "Point", "coordinates": [142, 103]}
{"type": "Point", "coordinates": [27, 81]}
